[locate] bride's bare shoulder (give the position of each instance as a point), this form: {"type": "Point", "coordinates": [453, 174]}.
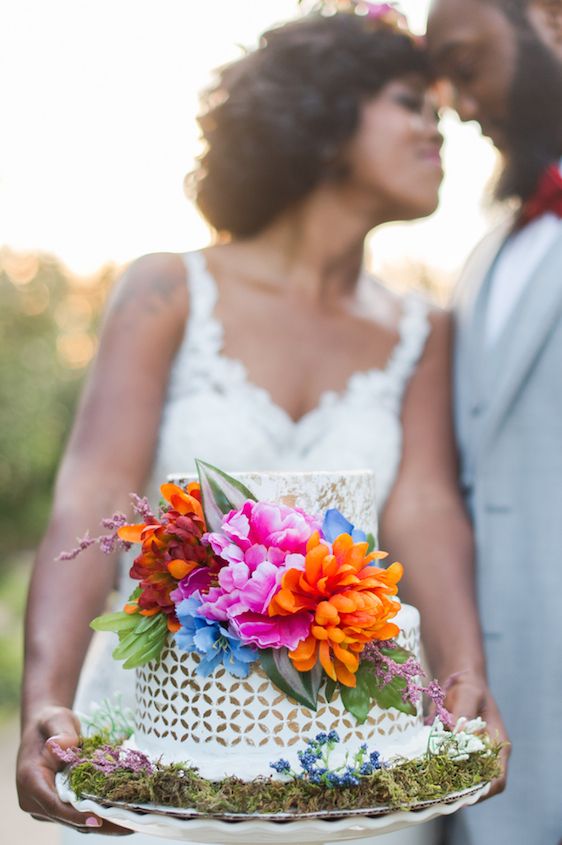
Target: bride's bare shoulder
{"type": "Point", "coordinates": [154, 281]}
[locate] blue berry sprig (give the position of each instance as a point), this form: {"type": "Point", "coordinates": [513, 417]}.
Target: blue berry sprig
{"type": "Point", "coordinates": [315, 763]}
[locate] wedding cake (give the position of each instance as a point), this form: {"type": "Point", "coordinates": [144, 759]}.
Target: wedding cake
{"type": "Point", "coordinates": [277, 673]}
{"type": "Point", "coordinates": [225, 725]}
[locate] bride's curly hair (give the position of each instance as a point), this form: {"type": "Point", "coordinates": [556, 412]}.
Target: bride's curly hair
{"type": "Point", "coordinates": [276, 120]}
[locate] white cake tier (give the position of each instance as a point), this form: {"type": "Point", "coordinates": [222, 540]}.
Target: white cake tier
{"type": "Point", "coordinates": [352, 492]}
{"type": "Point", "coordinates": [226, 726]}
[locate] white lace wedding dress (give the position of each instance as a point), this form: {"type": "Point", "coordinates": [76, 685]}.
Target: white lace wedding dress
{"type": "Point", "coordinates": [214, 412]}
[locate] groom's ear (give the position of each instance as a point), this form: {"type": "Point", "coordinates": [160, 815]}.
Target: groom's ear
{"type": "Point", "coordinates": [546, 17]}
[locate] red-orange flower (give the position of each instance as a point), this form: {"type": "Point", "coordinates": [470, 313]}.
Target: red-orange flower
{"type": "Point", "coordinates": [352, 602]}
{"type": "Point", "coordinates": [171, 549]}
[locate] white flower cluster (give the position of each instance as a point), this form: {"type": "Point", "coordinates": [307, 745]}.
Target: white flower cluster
{"type": "Point", "coordinates": [463, 740]}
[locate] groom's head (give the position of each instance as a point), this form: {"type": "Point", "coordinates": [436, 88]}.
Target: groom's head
{"type": "Point", "coordinates": [504, 58]}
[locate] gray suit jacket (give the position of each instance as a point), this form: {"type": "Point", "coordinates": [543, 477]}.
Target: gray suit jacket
{"type": "Point", "coordinates": [508, 406]}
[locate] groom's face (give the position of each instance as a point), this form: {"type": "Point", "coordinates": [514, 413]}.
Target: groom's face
{"type": "Point", "coordinates": [504, 60]}
{"type": "Point", "coordinates": [474, 45]}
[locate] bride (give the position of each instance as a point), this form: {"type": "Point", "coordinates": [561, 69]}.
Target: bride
{"type": "Point", "coordinates": [271, 349]}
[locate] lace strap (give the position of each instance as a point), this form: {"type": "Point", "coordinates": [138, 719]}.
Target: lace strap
{"type": "Point", "coordinates": [204, 333]}
{"type": "Point", "coordinates": [414, 330]}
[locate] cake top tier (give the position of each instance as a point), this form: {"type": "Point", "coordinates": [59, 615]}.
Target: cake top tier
{"type": "Point", "coordinates": [352, 492]}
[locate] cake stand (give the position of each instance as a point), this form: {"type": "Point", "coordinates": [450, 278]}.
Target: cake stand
{"type": "Point", "coordinates": [305, 829]}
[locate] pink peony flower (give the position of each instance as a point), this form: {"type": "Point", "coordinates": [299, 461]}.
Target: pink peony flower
{"type": "Point", "coordinates": [287, 530]}
{"type": "Point", "coordinates": [258, 543]}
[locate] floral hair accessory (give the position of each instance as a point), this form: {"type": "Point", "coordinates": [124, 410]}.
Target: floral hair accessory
{"type": "Point", "coordinates": [377, 14]}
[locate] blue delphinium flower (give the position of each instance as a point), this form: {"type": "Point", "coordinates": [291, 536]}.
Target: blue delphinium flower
{"type": "Point", "coordinates": [349, 778]}
{"type": "Point", "coordinates": [335, 524]}
{"type": "Point", "coordinates": [282, 767]}
{"type": "Point", "coordinates": [212, 640]}
{"type": "Point", "coordinates": [314, 761]}
{"type": "Point", "coordinates": [308, 759]}
{"type": "Point", "coordinates": [374, 759]}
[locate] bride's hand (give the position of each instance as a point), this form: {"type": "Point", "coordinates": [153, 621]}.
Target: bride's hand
{"type": "Point", "coordinates": [36, 769]}
{"type": "Point", "coordinates": [470, 696]}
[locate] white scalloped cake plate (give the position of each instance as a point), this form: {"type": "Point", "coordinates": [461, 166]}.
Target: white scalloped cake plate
{"type": "Point", "coordinates": [188, 826]}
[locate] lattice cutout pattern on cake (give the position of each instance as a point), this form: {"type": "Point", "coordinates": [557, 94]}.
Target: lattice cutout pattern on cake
{"type": "Point", "coordinates": [176, 704]}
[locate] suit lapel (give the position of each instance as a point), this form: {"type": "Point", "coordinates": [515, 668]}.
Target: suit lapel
{"type": "Point", "coordinates": [469, 304]}
{"type": "Point", "coordinates": [536, 313]}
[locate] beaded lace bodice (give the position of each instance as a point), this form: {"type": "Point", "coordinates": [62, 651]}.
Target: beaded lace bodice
{"type": "Point", "coordinates": [214, 412]}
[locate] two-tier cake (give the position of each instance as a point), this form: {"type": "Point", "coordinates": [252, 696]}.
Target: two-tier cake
{"type": "Point", "coordinates": [226, 725]}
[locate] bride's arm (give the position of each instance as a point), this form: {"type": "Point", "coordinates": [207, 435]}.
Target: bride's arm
{"type": "Point", "coordinates": [108, 456]}
{"type": "Point", "coordinates": [425, 525]}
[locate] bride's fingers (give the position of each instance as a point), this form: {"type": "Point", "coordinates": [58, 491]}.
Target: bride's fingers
{"type": "Point", "coordinates": [498, 733]}
{"type": "Point", "coordinates": [38, 797]}
{"type": "Point", "coordinates": [61, 724]}
{"type": "Point", "coordinates": [37, 768]}
{"type": "Point", "coordinates": [470, 699]}
{"type": "Point", "coordinates": [465, 699]}
{"type": "Point", "coordinates": [107, 829]}
{"type": "Point", "coordinates": [57, 810]}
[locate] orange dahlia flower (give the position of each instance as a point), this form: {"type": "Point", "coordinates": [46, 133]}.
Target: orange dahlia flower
{"type": "Point", "coordinates": [351, 601]}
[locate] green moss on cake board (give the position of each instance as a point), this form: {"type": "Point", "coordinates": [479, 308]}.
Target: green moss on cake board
{"type": "Point", "coordinates": [427, 778]}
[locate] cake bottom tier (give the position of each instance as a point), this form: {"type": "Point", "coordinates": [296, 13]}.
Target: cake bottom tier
{"type": "Point", "coordinates": [225, 726]}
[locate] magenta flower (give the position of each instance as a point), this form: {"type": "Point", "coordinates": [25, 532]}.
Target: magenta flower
{"type": "Point", "coordinates": [272, 631]}
{"type": "Point", "coordinates": [277, 527]}
{"type": "Point", "coordinates": [375, 11]}
{"type": "Point", "coordinates": [197, 580]}
{"type": "Point", "coordinates": [258, 543]}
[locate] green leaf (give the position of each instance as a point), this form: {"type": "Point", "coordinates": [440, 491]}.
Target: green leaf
{"type": "Point", "coordinates": [398, 654]}
{"type": "Point", "coordinates": [390, 696]}
{"type": "Point", "coordinates": [147, 623]}
{"type": "Point", "coordinates": [127, 646]}
{"type": "Point", "coordinates": [302, 686]}
{"type": "Point", "coordinates": [372, 541]}
{"type": "Point", "coordinates": [151, 651]}
{"type": "Point", "coordinates": [357, 700]}
{"type": "Point", "coordinates": [330, 688]}
{"type": "Point", "coordinates": [220, 493]}
{"type": "Point", "coordinates": [115, 622]}
{"type": "Point", "coordinates": [136, 640]}
{"type": "Point", "coordinates": [144, 658]}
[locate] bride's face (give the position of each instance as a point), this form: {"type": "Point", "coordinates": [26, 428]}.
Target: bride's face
{"type": "Point", "coordinates": [395, 155]}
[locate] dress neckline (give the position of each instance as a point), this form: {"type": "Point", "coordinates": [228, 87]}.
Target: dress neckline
{"type": "Point", "coordinates": [358, 380]}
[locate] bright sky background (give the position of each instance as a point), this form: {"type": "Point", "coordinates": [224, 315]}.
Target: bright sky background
{"type": "Point", "coordinates": [98, 102]}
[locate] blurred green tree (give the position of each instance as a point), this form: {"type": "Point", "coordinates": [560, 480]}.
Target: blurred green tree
{"type": "Point", "coordinates": [48, 320]}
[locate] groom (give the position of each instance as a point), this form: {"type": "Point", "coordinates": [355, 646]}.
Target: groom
{"type": "Point", "coordinates": [504, 59]}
